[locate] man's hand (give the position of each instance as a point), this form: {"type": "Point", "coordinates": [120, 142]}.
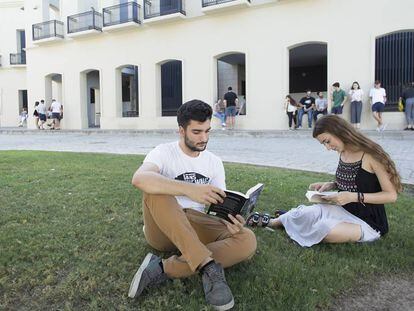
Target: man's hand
{"type": "Point", "coordinates": [341, 198]}
{"type": "Point", "coordinates": [322, 186]}
{"type": "Point", "coordinates": [236, 226]}
{"type": "Point", "coordinates": [205, 194]}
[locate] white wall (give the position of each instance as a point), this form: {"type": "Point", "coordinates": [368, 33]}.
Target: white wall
{"type": "Point", "coordinates": [11, 79]}
{"type": "Point", "coordinates": [263, 33]}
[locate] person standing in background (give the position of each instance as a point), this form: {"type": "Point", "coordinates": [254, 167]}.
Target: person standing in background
{"type": "Point", "coordinates": [36, 115]}
{"type": "Point", "coordinates": [378, 98]}
{"type": "Point", "coordinates": [356, 95]}
{"type": "Point", "coordinates": [408, 97]}
{"type": "Point", "coordinates": [338, 99]}
{"type": "Point", "coordinates": [230, 101]}
{"type": "Point", "coordinates": [291, 107]}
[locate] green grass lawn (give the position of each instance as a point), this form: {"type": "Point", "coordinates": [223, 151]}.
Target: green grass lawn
{"type": "Point", "coordinates": [71, 239]}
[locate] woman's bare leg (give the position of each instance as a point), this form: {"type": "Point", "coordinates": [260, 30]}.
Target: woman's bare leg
{"type": "Point", "coordinates": [343, 233]}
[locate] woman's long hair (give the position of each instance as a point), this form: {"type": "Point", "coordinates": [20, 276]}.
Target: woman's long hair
{"type": "Point", "coordinates": [340, 128]}
{"type": "Point", "coordinates": [292, 101]}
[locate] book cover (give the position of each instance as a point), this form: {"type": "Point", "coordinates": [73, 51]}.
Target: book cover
{"type": "Point", "coordinates": [236, 203]}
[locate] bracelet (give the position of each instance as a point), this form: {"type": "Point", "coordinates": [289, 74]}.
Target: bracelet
{"type": "Point", "coordinates": [361, 198]}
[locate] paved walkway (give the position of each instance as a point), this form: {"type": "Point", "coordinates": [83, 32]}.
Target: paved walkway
{"type": "Point", "coordinates": [295, 150]}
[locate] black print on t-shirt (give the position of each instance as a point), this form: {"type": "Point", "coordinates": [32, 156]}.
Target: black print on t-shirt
{"type": "Point", "coordinates": [194, 178]}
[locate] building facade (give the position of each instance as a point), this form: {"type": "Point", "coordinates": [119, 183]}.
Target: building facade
{"type": "Point", "coordinates": [116, 64]}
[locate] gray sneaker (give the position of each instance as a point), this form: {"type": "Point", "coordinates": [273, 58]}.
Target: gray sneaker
{"type": "Point", "coordinates": [216, 290]}
{"type": "Point", "coordinates": [148, 274]}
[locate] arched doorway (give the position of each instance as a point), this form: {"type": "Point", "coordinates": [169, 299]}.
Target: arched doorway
{"type": "Point", "coordinates": [231, 72]}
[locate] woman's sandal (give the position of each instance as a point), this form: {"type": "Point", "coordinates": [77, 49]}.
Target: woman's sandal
{"type": "Point", "coordinates": [258, 220]}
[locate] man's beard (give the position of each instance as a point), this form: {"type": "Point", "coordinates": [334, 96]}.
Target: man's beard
{"type": "Point", "coordinates": [193, 147]}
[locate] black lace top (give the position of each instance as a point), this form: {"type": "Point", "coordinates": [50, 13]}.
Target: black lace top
{"type": "Point", "coordinates": [353, 178]}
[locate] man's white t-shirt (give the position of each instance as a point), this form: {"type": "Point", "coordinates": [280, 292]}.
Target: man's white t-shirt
{"type": "Point", "coordinates": [377, 95]}
{"type": "Point", "coordinates": [55, 107]}
{"type": "Point", "coordinates": [41, 108]}
{"type": "Point", "coordinates": [173, 163]}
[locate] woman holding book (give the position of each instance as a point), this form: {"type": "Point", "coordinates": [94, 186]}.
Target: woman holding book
{"type": "Point", "coordinates": [366, 179]}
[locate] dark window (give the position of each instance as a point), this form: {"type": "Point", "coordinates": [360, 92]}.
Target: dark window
{"type": "Point", "coordinates": [129, 76]}
{"type": "Point", "coordinates": [92, 96]}
{"type": "Point", "coordinates": [394, 64]}
{"type": "Point", "coordinates": [171, 88]}
{"type": "Point", "coordinates": [308, 68]}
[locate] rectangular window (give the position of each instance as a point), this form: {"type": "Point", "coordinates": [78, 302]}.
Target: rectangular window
{"type": "Point", "coordinates": [394, 64]}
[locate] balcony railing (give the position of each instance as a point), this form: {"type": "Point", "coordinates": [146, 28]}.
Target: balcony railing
{"type": "Point", "coordinates": [91, 20]}
{"type": "Point", "coordinates": [18, 59]}
{"type": "Point", "coordinates": [121, 13]}
{"type": "Point", "coordinates": [49, 29]}
{"type": "Point", "coordinates": [156, 8]}
{"type": "Point", "coordinates": [206, 3]}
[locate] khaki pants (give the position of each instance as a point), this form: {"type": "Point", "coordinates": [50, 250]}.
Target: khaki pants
{"type": "Point", "coordinates": [169, 227]}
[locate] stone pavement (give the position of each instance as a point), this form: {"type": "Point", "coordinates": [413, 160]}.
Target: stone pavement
{"type": "Point", "coordinates": [294, 150]}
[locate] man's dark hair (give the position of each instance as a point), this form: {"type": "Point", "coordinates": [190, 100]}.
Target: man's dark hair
{"type": "Point", "coordinates": [336, 84]}
{"type": "Point", "coordinates": [229, 88]}
{"type": "Point", "coordinates": [377, 82]}
{"type": "Point", "coordinates": [42, 101]}
{"type": "Point", "coordinates": [196, 110]}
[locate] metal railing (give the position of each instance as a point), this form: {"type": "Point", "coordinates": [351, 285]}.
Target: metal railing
{"type": "Point", "coordinates": [49, 29]}
{"type": "Point", "coordinates": [85, 21]}
{"type": "Point", "coordinates": [155, 8]}
{"type": "Point", "coordinates": [206, 3]}
{"type": "Point", "coordinates": [17, 58]}
{"type": "Point", "coordinates": [121, 13]}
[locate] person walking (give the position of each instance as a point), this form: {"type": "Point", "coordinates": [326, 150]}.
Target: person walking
{"type": "Point", "coordinates": [356, 95]}
{"type": "Point", "coordinates": [57, 110]}
{"type": "Point", "coordinates": [41, 109]}
{"type": "Point", "coordinates": [408, 98]}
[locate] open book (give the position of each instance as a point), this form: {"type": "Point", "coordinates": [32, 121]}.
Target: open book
{"type": "Point", "coordinates": [316, 196]}
{"type": "Point", "coordinates": [236, 203]}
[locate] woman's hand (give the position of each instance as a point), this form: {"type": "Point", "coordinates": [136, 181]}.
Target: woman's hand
{"type": "Point", "coordinates": [322, 186]}
{"type": "Point", "coordinates": [341, 198]}
{"type": "Point", "coordinates": [236, 226]}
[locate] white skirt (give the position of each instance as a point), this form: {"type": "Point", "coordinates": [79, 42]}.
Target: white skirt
{"type": "Point", "coordinates": [309, 225]}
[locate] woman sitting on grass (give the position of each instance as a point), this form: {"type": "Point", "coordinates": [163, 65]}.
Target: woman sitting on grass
{"type": "Point", "coordinates": [366, 179]}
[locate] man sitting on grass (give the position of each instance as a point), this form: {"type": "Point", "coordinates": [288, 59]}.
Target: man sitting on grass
{"type": "Point", "coordinates": [177, 180]}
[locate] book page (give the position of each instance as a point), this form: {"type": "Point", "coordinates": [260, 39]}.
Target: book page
{"type": "Point", "coordinates": [253, 189]}
{"type": "Point", "coordinates": [236, 192]}
{"type": "Point", "coordinates": [316, 196]}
